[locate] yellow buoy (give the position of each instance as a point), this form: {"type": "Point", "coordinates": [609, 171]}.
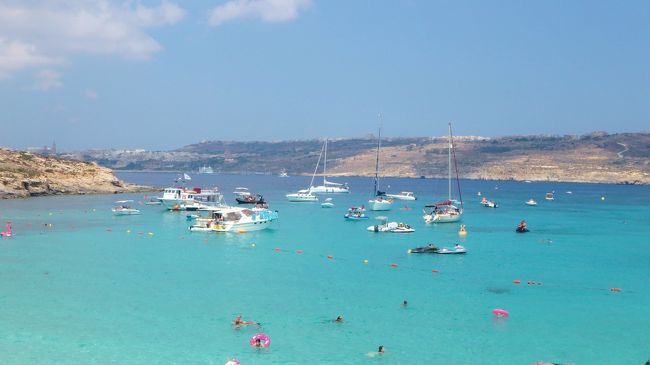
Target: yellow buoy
{"type": "Point", "coordinates": [462, 231]}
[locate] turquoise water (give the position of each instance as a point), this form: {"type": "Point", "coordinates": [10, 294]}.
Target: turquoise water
{"type": "Point", "coordinates": [86, 291]}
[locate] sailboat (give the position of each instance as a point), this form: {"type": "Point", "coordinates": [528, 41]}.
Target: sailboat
{"type": "Point", "coordinates": [306, 195]}
{"type": "Point", "coordinates": [446, 211]}
{"type": "Point", "coordinates": [329, 187]}
{"type": "Point", "coordinates": [380, 201]}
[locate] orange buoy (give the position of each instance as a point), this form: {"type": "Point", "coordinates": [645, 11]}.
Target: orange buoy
{"type": "Point", "coordinates": [393, 265]}
{"type": "Point", "coordinates": [616, 290]}
{"type": "Point", "coordinates": [434, 270]}
{"type": "Point", "coordinates": [517, 281]}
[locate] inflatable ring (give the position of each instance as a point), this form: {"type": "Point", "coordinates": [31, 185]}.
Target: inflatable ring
{"type": "Point", "coordinates": [500, 313]}
{"type": "Point", "coordinates": [265, 340]}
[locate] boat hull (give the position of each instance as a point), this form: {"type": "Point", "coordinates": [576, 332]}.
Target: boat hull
{"type": "Point", "coordinates": [329, 190]}
{"type": "Point", "coordinates": [380, 205]}
{"type": "Point", "coordinates": [401, 197]}
{"type": "Point", "coordinates": [441, 218]}
{"type": "Point", "coordinates": [301, 198]}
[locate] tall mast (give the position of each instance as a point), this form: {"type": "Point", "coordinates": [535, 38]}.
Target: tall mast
{"type": "Point", "coordinates": [325, 164]}
{"type": "Point", "coordinates": [460, 194]}
{"type": "Point", "coordinates": [316, 168]}
{"type": "Point", "coordinates": [377, 161]}
{"type": "Point", "coordinates": [449, 164]}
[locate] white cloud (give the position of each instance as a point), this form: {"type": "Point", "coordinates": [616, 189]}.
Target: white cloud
{"type": "Point", "coordinates": [46, 32]}
{"type": "Point", "coordinates": [46, 80]}
{"type": "Point", "coordinates": [265, 10]}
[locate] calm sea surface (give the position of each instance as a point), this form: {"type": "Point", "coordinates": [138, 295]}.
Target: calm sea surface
{"type": "Point", "coordinates": [81, 286]}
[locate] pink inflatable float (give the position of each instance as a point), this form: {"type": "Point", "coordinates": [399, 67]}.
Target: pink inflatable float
{"type": "Point", "coordinates": [500, 312]}
{"type": "Point", "coordinates": [264, 340]}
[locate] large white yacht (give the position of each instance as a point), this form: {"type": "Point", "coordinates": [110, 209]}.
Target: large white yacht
{"type": "Point", "coordinates": [235, 219]}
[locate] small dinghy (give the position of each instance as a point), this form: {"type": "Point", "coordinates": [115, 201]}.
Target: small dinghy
{"type": "Point", "coordinates": [250, 199]}
{"type": "Point", "coordinates": [327, 203]}
{"type": "Point", "coordinates": [356, 214]}
{"type": "Point", "coordinates": [392, 227]}
{"type": "Point", "coordinates": [531, 202]}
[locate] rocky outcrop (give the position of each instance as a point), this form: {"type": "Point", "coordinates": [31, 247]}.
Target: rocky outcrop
{"type": "Point", "coordinates": [23, 174]}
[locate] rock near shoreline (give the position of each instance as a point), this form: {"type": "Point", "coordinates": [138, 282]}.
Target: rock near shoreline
{"type": "Point", "coordinates": [23, 174]}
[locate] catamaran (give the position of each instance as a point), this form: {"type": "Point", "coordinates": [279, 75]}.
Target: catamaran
{"type": "Point", "coordinates": [329, 187]}
{"type": "Point", "coordinates": [446, 211]}
{"type": "Point", "coordinates": [380, 201]}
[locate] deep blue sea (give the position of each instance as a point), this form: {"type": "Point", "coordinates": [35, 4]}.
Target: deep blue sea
{"type": "Point", "coordinates": [81, 286]}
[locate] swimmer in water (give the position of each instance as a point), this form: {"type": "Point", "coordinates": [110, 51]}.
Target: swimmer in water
{"type": "Point", "coordinates": [380, 350]}
{"type": "Point", "coordinates": [258, 343]}
{"type": "Point", "coordinates": [339, 319]}
{"type": "Point", "coordinates": [405, 304]}
{"type": "Point", "coordinates": [239, 322]}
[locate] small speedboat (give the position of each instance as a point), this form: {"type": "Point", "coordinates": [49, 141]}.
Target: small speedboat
{"type": "Point", "coordinates": [430, 248]}
{"type": "Point", "coordinates": [124, 209]}
{"type": "Point", "coordinates": [327, 203]}
{"type": "Point", "coordinates": [549, 196]}
{"type": "Point", "coordinates": [531, 202]}
{"type": "Point", "coordinates": [250, 199]}
{"type": "Point", "coordinates": [491, 204]}
{"type": "Point", "coordinates": [356, 214]}
{"type": "Point", "coordinates": [450, 251]}
{"type": "Point", "coordinates": [392, 227]}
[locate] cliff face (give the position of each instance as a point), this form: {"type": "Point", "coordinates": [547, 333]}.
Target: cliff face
{"type": "Point", "coordinates": [23, 174]}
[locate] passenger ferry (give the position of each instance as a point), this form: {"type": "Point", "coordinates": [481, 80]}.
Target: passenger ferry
{"type": "Point", "coordinates": [181, 198]}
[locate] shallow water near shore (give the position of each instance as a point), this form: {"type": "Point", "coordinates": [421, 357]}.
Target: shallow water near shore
{"type": "Point", "coordinates": [93, 288]}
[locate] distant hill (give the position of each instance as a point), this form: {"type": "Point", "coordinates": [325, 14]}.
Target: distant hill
{"type": "Point", "coordinates": [596, 157]}
{"type": "Point", "coordinates": [24, 174]}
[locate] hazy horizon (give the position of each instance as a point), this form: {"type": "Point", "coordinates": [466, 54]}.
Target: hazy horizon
{"type": "Point", "coordinates": [160, 75]}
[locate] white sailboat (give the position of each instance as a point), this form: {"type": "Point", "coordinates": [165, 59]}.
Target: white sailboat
{"type": "Point", "coordinates": [306, 195]}
{"type": "Point", "coordinates": [446, 211]}
{"type": "Point", "coordinates": [329, 187]}
{"type": "Point", "coordinates": [380, 201]}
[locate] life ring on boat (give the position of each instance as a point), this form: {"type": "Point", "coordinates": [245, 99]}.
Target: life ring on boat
{"type": "Point", "coordinates": [265, 340]}
{"type": "Point", "coordinates": [500, 313]}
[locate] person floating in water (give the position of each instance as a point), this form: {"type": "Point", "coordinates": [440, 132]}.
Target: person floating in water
{"type": "Point", "coordinates": [339, 319]}
{"type": "Point", "coordinates": [239, 322]}
{"type": "Point", "coordinates": [380, 350]}
{"type": "Point", "coordinates": [258, 343]}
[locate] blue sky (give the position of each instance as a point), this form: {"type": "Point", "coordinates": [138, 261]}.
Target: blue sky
{"type": "Point", "coordinates": [163, 74]}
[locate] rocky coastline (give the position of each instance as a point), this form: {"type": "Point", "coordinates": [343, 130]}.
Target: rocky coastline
{"type": "Point", "coordinates": [23, 174]}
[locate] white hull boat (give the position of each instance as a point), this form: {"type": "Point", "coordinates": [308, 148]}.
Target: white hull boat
{"type": "Point", "coordinates": [181, 198]}
{"type": "Point", "coordinates": [380, 204]}
{"type": "Point", "coordinates": [442, 217]}
{"type": "Point", "coordinates": [124, 209]}
{"type": "Point", "coordinates": [302, 197]}
{"type": "Point", "coordinates": [404, 195]}
{"type": "Point", "coordinates": [392, 227]}
{"type": "Point", "coordinates": [238, 220]}
{"type": "Point", "coordinates": [531, 202]}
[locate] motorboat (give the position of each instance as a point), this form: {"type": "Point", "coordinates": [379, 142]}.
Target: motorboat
{"type": "Point", "coordinates": [302, 196]}
{"type": "Point", "coordinates": [390, 227]}
{"type": "Point", "coordinates": [356, 214]}
{"type": "Point", "coordinates": [430, 248]}
{"type": "Point", "coordinates": [123, 208]}
{"type": "Point", "coordinates": [549, 196]}
{"type": "Point", "coordinates": [236, 219]}
{"type": "Point", "coordinates": [250, 199]}
{"type": "Point", "coordinates": [327, 203]}
{"type": "Point", "coordinates": [206, 170]}
{"type": "Point", "coordinates": [404, 195]}
{"type": "Point", "coordinates": [458, 249]}
{"type": "Point", "coordinates": [380, 202]}
{"type": "Point", "coordinates": [153, 201]}
{"type": "Point", "coordinates": [488, 204]}
{"type": "Point", "coordinates": [531, 202]}
{"type": "Point", "coordinates": [328, 187]}
{"type": "Point", "coordinates": [283, 173]}
{"type": "Point", "coordinates": [447, 211]}
{"type": "Point", "coordinates": [181, 198]}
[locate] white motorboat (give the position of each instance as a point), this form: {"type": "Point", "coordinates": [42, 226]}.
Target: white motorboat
{"type": "Point", "coordinates": [380, 202]}
{"type": "Point", "coordinates": [549, 196]}
{"type": "Point", "coordinates": [123, 208]}
{"type": "Point", "coordinates": [446, 211]}
{"type": "Point", "coordinates": [206, 170]}
{"type": "Point", "coordinates": [327, 203]}
{"type": "Point", "coordinates": [328, 187]}
{"type": "Point", "coordinates": [531, 202]}
{"type": "Point", "coordinates": [404, 195]}
{"type": "Point", "coordinates": [235, 219]}
{"type": "Point", "coordinates": [182, 198]}
{"type": "Point", "coordinates": [488, 203]}
{"type": "Point", "coordinates": [241, 192]}
{"type": "Point", "coordinates": [283, 174]}
{"type": "Point", "coordinates": [390, 227]}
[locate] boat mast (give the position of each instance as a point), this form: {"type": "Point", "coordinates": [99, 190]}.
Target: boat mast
{"type": "Point", "coordinates": [311, 184]}
{"type": "Point", "coordinates": [460, 194]}
{"type": "Point", "coordinates": [449, 164]}
{"type": "Point", "coordinates": [325, 164]}
{"type": "Point", "coordinates": [377, 161]}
